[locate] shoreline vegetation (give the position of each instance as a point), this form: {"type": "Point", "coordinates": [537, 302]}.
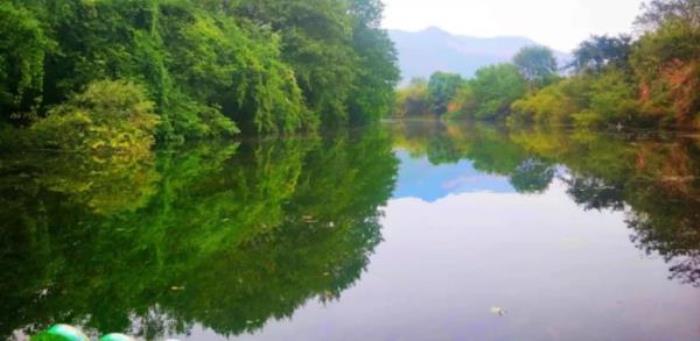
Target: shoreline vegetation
{"type": "Point", "coordinates": [110, 76]}
{"type": "Point", "coordinates": [118, 76]}
{"type": "Point", "coordinates": [650, 80]}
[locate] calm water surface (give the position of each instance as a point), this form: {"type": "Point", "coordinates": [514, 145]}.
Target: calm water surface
{"type": "Point", "coordinates": [409, 231]}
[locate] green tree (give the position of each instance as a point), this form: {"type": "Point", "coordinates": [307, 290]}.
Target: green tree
{"type": "Point", "coordinates": [536, 64]}
{"type": "Point", "coordinates": [413, 100]}
{"type": "Point", "coordinates": [108, 117]}
{"type": "Point", "coordinates": [613, 98]}
{"type": "Point", "coordinates": [372, 94]}
{"type": "Point", "coordinates": [316, 42]}
{"type": "Point", "coordinates": [23, 48]}
{"type": "Point", "coordinates": [665, 61]}
{"type": "Point", "coordinates": [494, 89]}
{"type": "Point", "coordinates": [210, 67]}
{"type": "Point", "coordinates": [553, 104]}
{"type": "Point", "coordinates": [442, 87]}
{"type": "Point", "coordinates": [656, 13]}
{"type": "Point", "coordinates": [599, 52]}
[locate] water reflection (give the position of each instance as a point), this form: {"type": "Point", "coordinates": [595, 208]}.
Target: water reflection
{"type": "Point", "coordinates": [410, 230]}
{"type": "Point", "coordinates": [653, 178]}
{"type": "Point", "coordinates": [422, 179]}
{"type": "Point", "coordinates": [221, 236]}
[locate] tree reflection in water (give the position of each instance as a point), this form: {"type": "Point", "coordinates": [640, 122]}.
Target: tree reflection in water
{"type": "Point", "coordinates": [229, 237]}
{"type": "Point", "coordinates": [653, 178]}
{"type": "Point", "coordinates": [223, 236]}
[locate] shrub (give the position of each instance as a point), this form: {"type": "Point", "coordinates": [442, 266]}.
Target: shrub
{"type": "Point", "coordinates": [413, 100]}
{"type": "Point", "coordinates": [109, 116]}
{"type": "Point", "coordinates": [494, 89]}
{"type": "Point", "coordinates": [552, 104]}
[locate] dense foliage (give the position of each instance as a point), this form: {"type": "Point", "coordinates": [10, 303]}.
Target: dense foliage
{"type": "Point", "coordinates": [442, 87]}
{"type": "Point", "coordinates": [613, 81]}
{"type": "Point", "coordinates": [653, 80]}
{"type": "Point", "coordinates": [492, 91]}
{"type": "Point", "coordinates": [114, 117]}
{"type": "Point", "coordinates": [412, 101]}
{"type": "Point", "coordinates": [487, 96]}
{"type": "Point", "coordinates": [537, 65]}
{"type": "Point", "coordinates": [210, 67]}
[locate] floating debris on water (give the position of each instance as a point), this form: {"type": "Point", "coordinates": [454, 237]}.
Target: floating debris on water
{"type": "Point", "coordinates": [117, 337]}
{"type": "Point", "coordinates": [309, 219]}
{"type": "Point", "coordinates": [498, 311]}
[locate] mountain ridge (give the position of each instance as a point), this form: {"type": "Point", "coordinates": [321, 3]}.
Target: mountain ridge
{"type": "Point", "coordinates": [432, 49]}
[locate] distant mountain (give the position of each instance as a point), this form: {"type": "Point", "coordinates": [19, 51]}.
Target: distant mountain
{"type": "Point", "coordinates": [424, 52]}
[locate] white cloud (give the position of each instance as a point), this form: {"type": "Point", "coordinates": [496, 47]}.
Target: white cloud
{"type": "Point", "coordinates": [561, 24]}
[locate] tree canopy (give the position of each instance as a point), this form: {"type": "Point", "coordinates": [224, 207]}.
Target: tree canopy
{"type": "Point", "coordinates": [537, 64]}
{"type": "Point", "coordinates": [599, 52]}
{"type": "Point", "coordinates": [208, 66]}
{"type": "Point", "coordinates": [649, 80]}
{"type": "Point", "coordinates": [441, 88]}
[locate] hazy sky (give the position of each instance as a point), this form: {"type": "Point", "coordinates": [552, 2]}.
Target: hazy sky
{"type": "Point", "coordinates": [560, 24]}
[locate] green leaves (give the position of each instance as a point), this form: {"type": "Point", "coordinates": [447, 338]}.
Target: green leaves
{"type": "Point", "coordinates": [537, 65]}
{"type": "Point", "coordinates": [495, 88]}
{"type": "Point", "coordinates": [412, 100]}
{"type": "Point", "coordinates": [601, 52]}
{"type": "Point", "coordinates": [109, 116]}
{"type": "Point", "coordinates": [210, 67]}
{"type": "Point", "coordinates": [345, 66]}
{"type": "Point", "coordinates": [23, 48]}
{"type": "Point", "coordinates": [442, 87]}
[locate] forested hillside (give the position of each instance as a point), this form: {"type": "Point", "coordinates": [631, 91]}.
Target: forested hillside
{"type": "Point", "coordinates": [651, 80]}
{"type": "Point", "coordinates": [121, 74]}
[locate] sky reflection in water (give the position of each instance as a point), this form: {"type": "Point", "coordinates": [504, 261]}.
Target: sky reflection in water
{"type": "Point", "coordinates": [412, 231]}
{"type": "Point", "coordinates": [451, 253]}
